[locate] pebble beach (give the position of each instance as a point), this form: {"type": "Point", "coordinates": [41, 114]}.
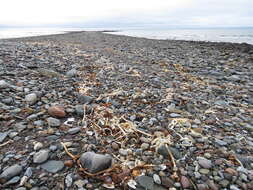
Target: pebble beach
{"type": "Point", "coordinates": [90, 110]}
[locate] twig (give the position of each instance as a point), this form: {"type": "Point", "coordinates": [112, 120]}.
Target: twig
{"type": "Point", "coordinates": [172, 159]}
{"type": "Point", "coordinates": [66, 150]}
{"type": "Point", "coordinates": [143, 166]}
{"type": "Point", "coordinates": [139, 131]}
{"type": "Point", "coordinates": [98, 173]}
{"type": "Point", "coordinates": [8, 142]}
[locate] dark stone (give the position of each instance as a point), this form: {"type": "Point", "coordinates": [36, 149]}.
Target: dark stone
{"type": "Point", "coordinates": [95, 162]}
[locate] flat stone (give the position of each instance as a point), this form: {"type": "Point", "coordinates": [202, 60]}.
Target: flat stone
{"type": "Point", "coordinates": [20, 126]}
{"type": "Point", "coordinates": [146, 182]}
{"type": "Point", "coordinates": [207, 155]}
{"type": "Point", "coordinates": [79, 110]}
{"type": "Point", "coordinates": [235, 78]}
{"type": "Point", "coordinates": [175, 115]}
{"type": "Point", "coordinates": [41, 156]}
{"type": "Point", "coordinates": [204, 171]}
{"type": "Point", "coordinates": [144, 146]}
{"type": "Point", "coordinates": [205, 163]}
{"type": "Point", "coordinates": [12, 181]}
{"type": "Point", "coordinates": [167, 182]}
{"type": "Point", "coordinates": [185, 182]}
{"type": "Point", "coordinates": [248, 127]}
{"type": "Point", "coordinates": [4, 84]}
{"type": "Point", "coordinates": [221, 103]}
{"type": "Point", "coordinates": [73, 131]}
{"type": "Point", "coordinates": [231, 171]}
{"type": "Point", "coordinates": [57, 111]}
{"type": "Point", "coordinates": [233, 187]}
{"type": "Point", "coordinates": [37, 146]}
{"type": "Point", "coordinates": [115, 146]}
{"type": "Point", "coordinates": [53, 166]}
{"type": "Point", "coordinates": [28, 172]}
{"type": "Point", "coordinates": [220, 142]}
{"type": "Point", "coordinates": [158, 187]}
{"type": "Point", "coordinates": [69, 180]}
{"type": "Point", "coordinates": [202, 187]}
{"type": "Point", "coordinates": [3, 136]}
{"type": "Point", "coordinates": [53, 122]}
{"type": "Point", "coordinates": [48, 73]}
{"type": "Point", "coordinates": [7, 101]}
{"type": "Point", "coordinates": [123, 152]}
{"type": "Point", "coordinates": [72, 73]}
{"type": "Point", "coordinates": [39, 123]}
{"type": "Point", "coordinates": [10, 172]}
{"type": "Point", "coordinates": [84, 99]}
{"type": "Point", "coordinates": [95, 162]}
{"type": "Point", "coordinates": [21, 188]}
{"type": "Point", "coordinates": [157, 179]}
{"type": "Point", "coordinates": [164, 151]}
{"type": "Point", "coordinates": [224, 183]}
{"type": "Point", "coordinates": [13, 134]}
{"type": "Point", "coordinates": [212, 185]}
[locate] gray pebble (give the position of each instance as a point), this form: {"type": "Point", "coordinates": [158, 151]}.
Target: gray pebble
{"type": "Point", "coordinates": [53, 166]}
{"type": "Point", "coordinates": [144, 146]}
{"type": "Point", "coordinates": [146, 182]}
{"type": "Point", "coordinates": [53, 122]}
{"type": "Point", "coordinates": [31, 98]}
{"type": "Point", "coordinates": [21, 188]}
{"type": "Point", "coordinates": [71, 73]}
{"type": "Point", "coordinates": [205, 163]}
{"type": "Point", "coordinates": [11, 172]}
{"type": "Point", "coordinates": [12, 181]}
{"type": "Point", "coordinates": [69, 180]}
{"type": "Point", "coordinates": [41, 156]}
{"type": "Point", "coordinates": [73, 131]}
{"type": "Point", "coordinates": [123, 152]}
{"type": "Point", "coordinates": [157, 179]}
{"type": "Point", "coordinates": [4, 84]}
{"type": "Point", "coordinates": [3, 136]}
{"type": "Point", "coordinates": [220, 142]}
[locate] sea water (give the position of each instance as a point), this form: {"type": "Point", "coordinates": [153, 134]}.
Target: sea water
{"type": "Point", "coordinates": [236, 35]}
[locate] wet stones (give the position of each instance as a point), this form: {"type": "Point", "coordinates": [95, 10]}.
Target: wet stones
{"type": "Point", "coordinates": [95, 162]}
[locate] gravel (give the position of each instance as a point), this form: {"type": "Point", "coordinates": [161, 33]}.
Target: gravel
{"type": "Point", "coordinates": [145, 103]}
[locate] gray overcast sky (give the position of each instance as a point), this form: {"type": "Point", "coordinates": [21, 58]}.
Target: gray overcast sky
{"type": "Point", "coordinates": [205, 13]}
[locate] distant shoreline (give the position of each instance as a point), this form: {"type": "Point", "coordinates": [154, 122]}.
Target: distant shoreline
{"type": "Point", "coordinates": [149, 34]}
{"type": "Point", "coordinates": [67, 34]}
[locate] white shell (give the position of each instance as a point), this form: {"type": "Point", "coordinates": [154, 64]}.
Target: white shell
{"type": "Point", "coordinates": [131, 183]}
